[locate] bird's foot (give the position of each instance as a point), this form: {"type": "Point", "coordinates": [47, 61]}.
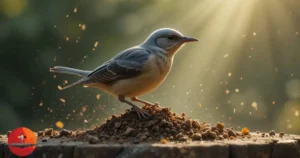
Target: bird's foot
{"type": "Point", "coordinates": [146, 103]}
{"type": "Point", "coordinates": [141, 113]}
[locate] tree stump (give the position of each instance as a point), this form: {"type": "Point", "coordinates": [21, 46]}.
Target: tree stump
{"type": "Point", "coordinates": [254, 147]}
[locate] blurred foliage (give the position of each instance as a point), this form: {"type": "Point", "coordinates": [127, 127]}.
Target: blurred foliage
{"type": "Point", "coordinates": [243, 72]}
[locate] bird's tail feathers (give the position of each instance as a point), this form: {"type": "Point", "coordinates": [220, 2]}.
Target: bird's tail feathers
{"type": "Point", "coordinates": [71, 71]}
{"type": "Point", "coordinates": [73, 84]}
{"type": "Point", "coordinates": [70, 85]}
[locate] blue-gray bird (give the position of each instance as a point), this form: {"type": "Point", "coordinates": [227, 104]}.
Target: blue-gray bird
{"type": "Point", "coordinates": [134, 71]}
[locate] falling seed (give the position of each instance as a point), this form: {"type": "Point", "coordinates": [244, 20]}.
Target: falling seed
{"type": "Point", "coordinates": [96, 44]}
{"type": "Point", "coordinates": [242, 103]}
{"type": "Point", "coordinates": [229, 74]}
{"type": "Point", "coordinates": [237, 90]}
{"type": "Point", "coordinates": [67, 38]}
{"type": "Point", "coordinates": [54, 76]}
{"type": "Point", "coordinates": [85, 121]}
{"type": "Point", "coordinates": [59, 124]}
{"type": "Point", "coordinates": [254, 33]}
{"type": "Point", "coordinates": [54, 26]}
{"type": "Point", "coordinates": [66, 81]}
{"type": "Point", "coordinates": [292, 75]}
{"type": "Point", "coordinates": [83, 109]}
{"type": "Point", "coordinates": [297, 113]}
{"type": "Point", "coordinates": [250, 113]}
{"type": "Point", "coordinates": [54, 58]}
{"type": "Point", "coordinates": [199, 105]}
{"type": "Point", "coordinates": [254, 105]}
{"type": "Point", "coordinates": [226, 55]}
{"type": "Point", "coordinates": [83, 27]}
{"type": "Point", "coordinates": [67, 16]}
{"type": "Point", "coordinates": [98, 96]}
{"type": "Point", "coordinates": [41, 103]}
{"type": "Point", "coordinates": [241, 78]}
{"type": "Point", "coordinates": [234, 110]}
{"type": "Point", "coordinates": [297, 33]}
{"type": "Point", "coordinates": [273, 102]}
{"type": "Point", "coordinates": [75, 10]}
{"type": "Point", "coordinates": [227, 91]}
{"type": "Point", "coordinates": [62, 100]}
{"type": "Point", "coordinates": [59, 87]}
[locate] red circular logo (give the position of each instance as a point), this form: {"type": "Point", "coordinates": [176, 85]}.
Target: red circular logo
{"type": "Point", "coordinates": [22, 141]}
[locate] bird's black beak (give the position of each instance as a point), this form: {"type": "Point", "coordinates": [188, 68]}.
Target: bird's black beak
{"type": "Point", "coordinates": [189, 39]}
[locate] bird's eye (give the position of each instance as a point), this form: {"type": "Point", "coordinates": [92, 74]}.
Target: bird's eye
{"type": "Point", "coordinates": [171, 37]}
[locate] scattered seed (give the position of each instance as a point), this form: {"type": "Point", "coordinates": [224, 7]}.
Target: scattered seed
{"type": "Point", "coordinates": [245, 131]}
{"type": "Point", "coordinates": [8, 133]}
{"type": "Point", "coordinates": [163, 141]}
{"type": "Point", "coordinates": [272, 133]}
{"type": "Point", "coordinates": [65, 133]}
{"type": "Point", "coordinates": [281, 134]}
{"type": "Point", "coordinates": [41, 133]}
{"type": "Point", "coordinates": [48, 131]}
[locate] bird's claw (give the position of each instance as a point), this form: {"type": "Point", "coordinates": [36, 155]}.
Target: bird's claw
{"type": "Point", "coordinates": [142, 113]}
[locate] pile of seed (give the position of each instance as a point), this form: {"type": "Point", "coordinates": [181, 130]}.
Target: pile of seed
{"type": "Point", "coordinates": [163, 126]}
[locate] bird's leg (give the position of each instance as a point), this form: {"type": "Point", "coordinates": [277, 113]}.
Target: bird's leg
{"type": "Point", "coordinates": [143, 101]}
{"type": "Point", "coordinates": [138, 110]}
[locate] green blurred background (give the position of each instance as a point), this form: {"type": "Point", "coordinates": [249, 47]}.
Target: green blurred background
{"type": "Point", "coordinates": [244, 71]}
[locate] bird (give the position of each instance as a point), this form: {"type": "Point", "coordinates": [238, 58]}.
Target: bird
{"type": "Point", "coordinates": [135, 71]}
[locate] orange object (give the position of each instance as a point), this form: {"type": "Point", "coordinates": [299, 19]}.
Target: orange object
{"type": "Point", "coordinates": [59, 124]}
{"type": "Point", "coordinates": [22, 141]}
{"type": "Point", "coordinates": [245, 131]}
{"type": "Point", "coordinates": [163, 141]}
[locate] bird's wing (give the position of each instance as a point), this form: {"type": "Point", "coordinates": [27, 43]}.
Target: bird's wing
{"type": "Point", "coordinates": [127, 64]}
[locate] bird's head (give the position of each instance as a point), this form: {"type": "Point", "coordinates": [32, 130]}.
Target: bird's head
{"type": "Point", "coordinates": [168, 39]}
